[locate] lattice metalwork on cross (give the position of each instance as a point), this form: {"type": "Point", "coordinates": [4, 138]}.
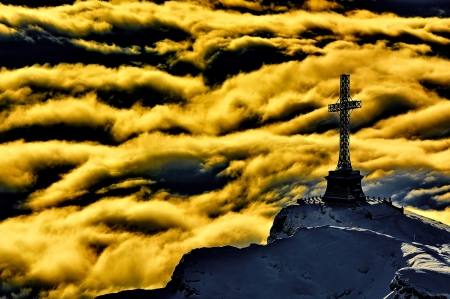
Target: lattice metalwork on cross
{"type": "Point", "coordinates": [344, 108]}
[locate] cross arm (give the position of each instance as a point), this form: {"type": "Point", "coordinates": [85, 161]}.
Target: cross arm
{"type": "Point", "coordinates": [344, 106]}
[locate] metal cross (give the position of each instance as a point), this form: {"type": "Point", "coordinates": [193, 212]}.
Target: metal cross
{"type": "Point", "coordinates": [344, 108]}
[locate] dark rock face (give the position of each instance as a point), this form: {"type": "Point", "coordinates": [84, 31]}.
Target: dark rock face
{"type": "Point", "coordinates": [305, 263]}
{"type": "Point", "coordinates": [407, 284]}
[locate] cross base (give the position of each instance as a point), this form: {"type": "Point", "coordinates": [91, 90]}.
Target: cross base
{"type": "Point", "coordinates": [344, 186]}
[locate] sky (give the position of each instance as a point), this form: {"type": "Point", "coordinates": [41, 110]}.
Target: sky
{"type": "Point", "coordinates": [132, 132]}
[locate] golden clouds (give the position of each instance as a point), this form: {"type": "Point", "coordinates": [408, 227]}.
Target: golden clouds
{"type": "Point", "coordinates": [130, 183]}
{"type": "Point", "coordinates": [380, 84]}
{"type": "Point", "coordinates": [81, 78]}
{"type": "Point", "coordinates": [428, 123]}
{"type": "Point", "coordinates": [136, 157]}
{"type": "Point", "coordinates": [256, 175]}
{"type": "Point", "coordinates": [290, 46]}
{"type": "Point", "coordinates": [442, 216]}
{"type": "Point", "coordinates": [167, 45]}
{"type": "Point", "coordinates": [320, 5]}
{"type": "Point", "coordinates": [146, 238]}
{"type": "Point", "coordinates": [105, 48]}
{"type": "Point", "coordinates": [22, 160]}
{"type": "Point", "coordinates": [215, 29]}
{"type": "Point", "coordinates": [98, 256]}
{"type": "Point", "coordinates": [243, 146]}
{"type": "Point", "coordinates": [253, 5]}
{"type": "Point", "coordinates": [60, 19]}
{"type": "Point", "coordinates": [6, 31]}
{"type": "Point", "coordinates": [223, 109]}
{"type": "Point", "coordinates": [431, 191]}
{"type": "Point", "coordinates": [70, 110]}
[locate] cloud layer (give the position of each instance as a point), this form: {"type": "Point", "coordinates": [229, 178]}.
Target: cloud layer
{"type": "Point", "coordinates": [132, 132]}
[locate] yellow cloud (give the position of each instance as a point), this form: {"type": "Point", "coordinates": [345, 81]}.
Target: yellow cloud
{"type": "Point", "coordinates": [6, 31]}
{"type": "Point", "coordinates": [129, 183]}
{"type": "Point", "coordinates": [105, 48]}
{"type": "Point", "coordinates": [136, 241]}
{"type": "Point", "coordinates": [379, 84]}
{"type": "Point", "coordinates": [427, 123]}
{"type": "Point", "coordinates": [89, 251]}
{"type": "Point", "coordinates": [442, 216]}
{"type": "Point", "coordinates": [167, 45]}
{"type": "Point", "coordinates": [215, 29]}
{"type": "Point", "coordinates": [253, 5]}
{"type": "Point", "coordinates": [82, 78]}
{"type": "Point", "coordinates": [320, 5]}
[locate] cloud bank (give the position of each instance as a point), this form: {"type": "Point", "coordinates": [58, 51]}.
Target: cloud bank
{"type": "Point", "coordinates": [133, 132]}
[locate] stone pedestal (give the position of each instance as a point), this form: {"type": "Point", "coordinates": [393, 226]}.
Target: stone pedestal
{"type": "Point", "coordinates": [344, 186]}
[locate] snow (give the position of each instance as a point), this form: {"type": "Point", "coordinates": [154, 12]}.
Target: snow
{"type": "Point", "coordinates": [322, 251]}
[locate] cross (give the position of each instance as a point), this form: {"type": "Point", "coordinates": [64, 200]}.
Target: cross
{"type": "Point", "coordinates": [344, 108]}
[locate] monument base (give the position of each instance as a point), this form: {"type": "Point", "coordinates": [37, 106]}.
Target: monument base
{"type": "Point", "coordinates": [344, 186]}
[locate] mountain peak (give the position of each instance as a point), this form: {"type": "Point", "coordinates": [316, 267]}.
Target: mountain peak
{"type": "Point", "coordinates": [362, 250]}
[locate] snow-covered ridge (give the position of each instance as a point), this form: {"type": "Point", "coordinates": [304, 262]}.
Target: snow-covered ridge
{"type": "Point", "coordinates": [407, 226]}
{"type": "Point", "coordinates": [322, 251]}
